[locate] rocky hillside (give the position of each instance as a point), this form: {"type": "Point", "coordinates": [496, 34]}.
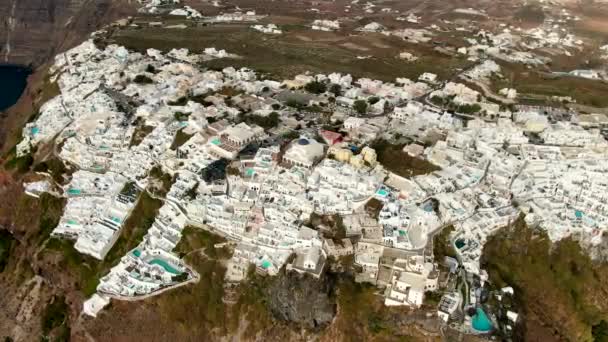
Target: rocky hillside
{"type": "Point", "coordinates": [33, 31]}
{"type": "Point", "coordinates": [563, 293]}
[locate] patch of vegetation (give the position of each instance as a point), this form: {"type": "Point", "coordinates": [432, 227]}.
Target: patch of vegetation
{"type": "Point", "coordinates": [191, 193]}
{"type": "Point", "coordinates": [55, 167]}
{"type": "Point", "coordinates": [531, 13]}
{"type": "Point", "coordinates": [432, 298]}
{"type": "Point", "coordinates": [360, 106]}
{"type": "Point", "coordinates": [164, 180]}
{"type": "Point", "coordinates": [600, 331]}
{"type": "Point", "coordinates": [21, 164]}
{"type": "Point", "coordinates": [140, 133]}
{"type": "Point", "coordinates": [335, 89]}
{"type": "Point", "coordinates": [447, 103]}
{"type": "Point", "coordinates": [395, 160]}
{"type": "Point", "coordinates": [199, 307]}
{"type": "Point", "coordinates": [252, 302]}
{"type": "Point", "coordinates": [291, 135]}
{"type": "Point", "coordinates": [194, 238]}
{"type": "Point", "coordinates": [142, 79]}
{"type": "Point", "coordinates": [293, 103]}
{"type": "Point", "coordinates": [373, 207]}
{"type": "Point", "coordinates": [468, 108]}
{"type": "Point", "coordinates": [51, 209]}
{"type": "Point", "coordinates": [362, 315]}
{"type": "Point", "coordinates": [6, 243]}
{"type": "Point", "coordinates": [332, 226]}
{"type": "Point", "coordinates": [84, 268]}
{"type": "Point", "coordinates": [561, 290]}
{"type": "Point", "coordinates": [316, 87]}
{"type": "Point", "coordinates": [373, 100]}
{"type": "Point", "coordinates": [56, 319]}
{"type": "Point", "coordinates": [442, 246]}
{"type": "Point", "coordinates": [180, 138]}
{"type": "Point", "coordinates": [179, 116]}
{"type": "Point", "coordinates": [201, 99]}
{"type": "Point", "coordinates": [135, 227]}
{"type": "Point", "coordinates": [533, 86]}
{"type": "Point", "coordinates": [284, 57]}
{"type": "Point", "coordinates": [267, 122]}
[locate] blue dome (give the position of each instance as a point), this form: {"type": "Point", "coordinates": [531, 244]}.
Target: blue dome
{"type": "Point", "coordinates": [303, 141]}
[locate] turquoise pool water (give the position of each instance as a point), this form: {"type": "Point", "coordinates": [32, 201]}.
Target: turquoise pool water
{"type": "Point", "coordinates": [266, 264]}
{"type": "Point", "coordinates": [115, 219]}
{"type": "Point", "coordinates": [578, 214]}
{"type": "Point", "coordinates": [216, 141]}
{"type": "Point", "coordinates": [481, 322]}
{"type": "Point", "coordinates": [382, 192]}
{"type": "Point", "coordinates": [35, 130]}
{"type": "Point", "coordinates": [74, 191]}
{"type": "Point", "coordinates": [137, 253]}
{"type": "Point", "coordinates": [460, 243]}
{"type": "Point", "coordinates": [162, 263]}
{"type": "Point", "coordinates": [249, 172]}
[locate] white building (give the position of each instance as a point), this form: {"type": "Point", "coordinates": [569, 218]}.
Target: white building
{"type": "Point", "coordinates": [304, 152]}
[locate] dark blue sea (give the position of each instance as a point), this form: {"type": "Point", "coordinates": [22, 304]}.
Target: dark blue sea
{"type": "Point", "coordinates": [13, 80]}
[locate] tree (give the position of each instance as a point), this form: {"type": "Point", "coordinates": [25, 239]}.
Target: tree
{"type": "Point", "coordinates": [335, 89]}
{"type": "Point", "coordinates": [151, 69]}
{"type": "Point", "coordinates": [315, 87]}
{"type": "Point", "coordinates": [360, 106]}
{"type": "Point", "coordinates": [373, 100]}
{"type": "Point", "coordinates": [600, 331]}
{"type": "Point", "coordinates": [468, 108]}
{"type": "Point", "coordinates": [293, 103]}
{"type": "Point", "coordinates": [142, 79]}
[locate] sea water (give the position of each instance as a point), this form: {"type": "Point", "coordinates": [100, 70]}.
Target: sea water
{"type": "Point", "coordinates": [13, 79]}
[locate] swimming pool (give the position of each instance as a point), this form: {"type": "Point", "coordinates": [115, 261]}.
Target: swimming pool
{"type": "Point", "coordinates": [481, 322]}
{"type": "Point", "coordinates": [74, 191]}
{"type": "Point", "coordinates": [164, 264]}
{"type": "Point", "coordinates": [382, 192]}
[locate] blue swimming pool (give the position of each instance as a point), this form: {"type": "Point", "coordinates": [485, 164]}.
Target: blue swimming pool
{"type": "Point", "coordinates": [382, 192]}
{"type": "Point", "coordinates": [74, 191]}
{"type": "Point", "coordinates": [481, 322]}
{"type": "Point", "coordinates": [164, 264]}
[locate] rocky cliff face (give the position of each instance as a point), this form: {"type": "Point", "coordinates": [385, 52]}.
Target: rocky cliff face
{"type": "Point", "coordinates": [33, 31]}
{"type": "Point", "coordinates": [302, 299]}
